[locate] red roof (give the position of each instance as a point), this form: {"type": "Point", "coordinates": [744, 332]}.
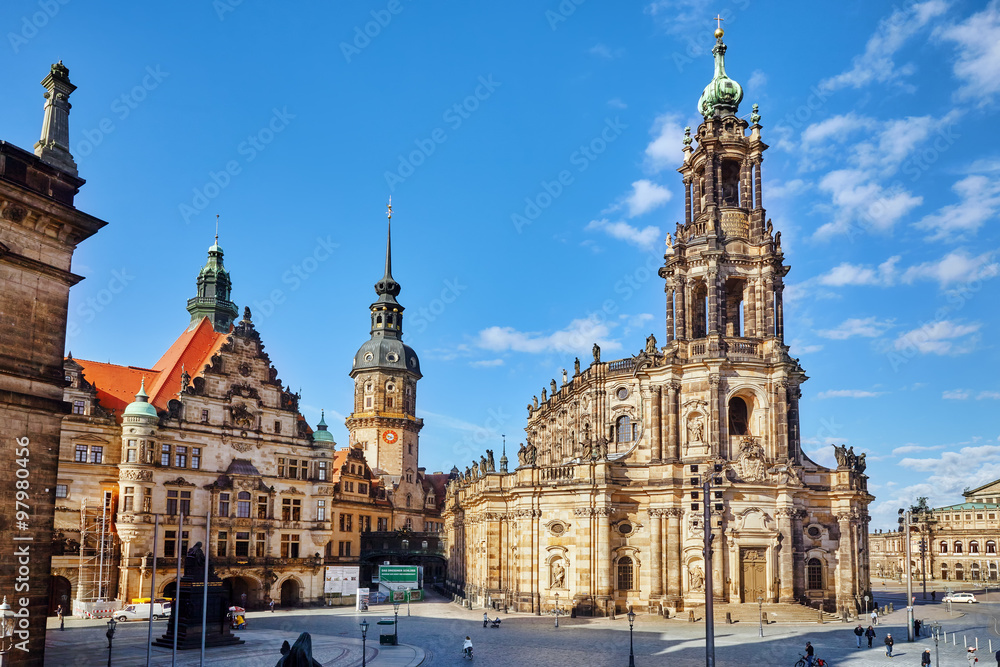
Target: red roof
{"type": "Point", "coordinates": [118, 385]}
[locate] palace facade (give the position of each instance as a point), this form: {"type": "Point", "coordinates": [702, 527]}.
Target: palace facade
{"type": "Point", "coordinates": [954, 543]}
{"type": "Point", "coordinates": [604, 509]}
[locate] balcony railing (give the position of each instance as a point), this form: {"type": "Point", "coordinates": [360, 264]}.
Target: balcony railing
{"type": "Point", "coordinates": [621, 366]}
{"type": "Point", "coordinates": [557, 472]}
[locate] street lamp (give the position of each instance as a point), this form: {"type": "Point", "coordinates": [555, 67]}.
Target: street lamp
{"type": "Point", "coordinates": [395, 625]}
{"type": "Point", "coordinates": [760, 616]}
{"type": "Point", "coordinates": [556, 612]}
{"type": "Point", "coordinates": [904, 529]}
{"type": "Point", "coordinates": [364, 633]}
{"type": "Point", "coordinates": [6, 630]}
{"type": "Point", "coordinates": [110, 635]}
{"type": "Point", "coordinates": [631, 622]}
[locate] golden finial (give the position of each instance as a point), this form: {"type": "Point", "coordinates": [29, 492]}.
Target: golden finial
{"type": "Point", "coordinates": [718, 21]}
{"type": "Point", "coordinates": [389, 208]}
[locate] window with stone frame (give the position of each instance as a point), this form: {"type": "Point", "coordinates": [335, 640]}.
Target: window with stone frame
{"type": "Point", "coordinates": [79, 408]}
{"type": "Point", "coordinates": [128, 499]}
{"type": "Point", "coordinates": [243, 505]}
{"type": "Point", "coordinates": [281, 466]}
{"type": "Point", "coordinates": [195, 458]}
{"type": "Point", "coordinates": [242, 544]}
{"type": "Point", "coordinates": [260, 550]}
{"type": "Point", "coordinates": [96, 454]}
{"type": "Point", "coordinates": [944, 547]}
{"type": "Point", "coordinates": [321, 467]}
{"type": "Point", "coordinates": [222, 544]}
{"type": "Point", "coordinates": [814, 574]}
{"type": "Point", "coordinates": [304, 469]}
{"type": "Point", "coordinates": [958, 547]}
{"type": "Point", "coordinates": [973, 547]}
{"type": "Point", "coordinates": [172, 498]}
{"type": "Point", "coordinates": [289, 546]}
{"type": "Point", "coordinates": [224, 504]}
{"type": "Point", "coordinates": [80, 454]}
{"type": "Point", "coordinates": [626, 579]}
{"type": "Point", "coordinates": [261, 507]}
{"type": "Point", "coordinates": [147, 500]}
{"type": "Point", "coordinates": [180, 456]}
{"type": "Point", "coordinates": [991, 547]}
{"type": "Point", "coordinates": [164, 455]}
{"type": "Point", "coordinates": [382, 524]}
{"type": "Point", "coordinates": [291, 509]}
{"type": "Point", "coordinates": [344, 548]}
{"type": "Point", "coordinates": [321, 510]}
{"type": "Point", "coordinates": [62, 490]}
{"type": "Point", "coordinates": [185, 503]}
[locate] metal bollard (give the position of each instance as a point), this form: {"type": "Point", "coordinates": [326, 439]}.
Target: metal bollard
{"type": "Point", "coordinates": [977, 643]}
{"type": "Point", "coordinates": [965, 640]}
{"type": "Point", "coordinates": [729, 617]}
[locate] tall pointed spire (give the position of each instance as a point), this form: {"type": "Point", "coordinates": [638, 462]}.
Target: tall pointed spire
{"type": "Point", "coordinates": [388, 285]}
{"type": "Point", "coordinates": [722, 94]}
{"type": "Point", "coordinates": [214, 289]}
{"type": "Point", "coordinates": [53, 146]}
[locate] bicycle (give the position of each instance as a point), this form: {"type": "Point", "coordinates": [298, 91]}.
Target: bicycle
{"type": "Point", "coordinates": [817, 662]}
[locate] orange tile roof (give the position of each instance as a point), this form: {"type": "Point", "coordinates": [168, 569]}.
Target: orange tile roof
{"type": "Point", "coordinates": [118, 385]}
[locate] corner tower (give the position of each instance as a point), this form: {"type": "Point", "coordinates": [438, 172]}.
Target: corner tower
{"type": "Point", "coordinates": [214, 291]}
{"type": "Point", "coordinates": [385, 374]}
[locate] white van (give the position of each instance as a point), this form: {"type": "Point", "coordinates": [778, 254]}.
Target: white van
{"type": "Point", "coordinates": [140, 612]}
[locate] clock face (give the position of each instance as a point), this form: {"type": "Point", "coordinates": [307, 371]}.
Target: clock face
{"type": "Point", "coordinates": [390, 436]}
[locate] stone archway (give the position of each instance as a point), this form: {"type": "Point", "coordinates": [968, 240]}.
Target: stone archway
{"type": "Point", "coordinates": [60, 593]}
{"type": "Point", "coordinates": [242, 591]}
{"type": "Point", "coordinates": [290, 593]}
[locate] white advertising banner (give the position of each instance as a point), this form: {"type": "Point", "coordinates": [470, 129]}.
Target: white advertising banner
{"type": "Point", "coordinates": [342, 579]}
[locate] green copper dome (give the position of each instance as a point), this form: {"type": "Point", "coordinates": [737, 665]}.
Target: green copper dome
{"type": "Point", "coordinates": [321, 434]}
{"type": "Point", "coordinates": [722, 93]}
{"type": "Point", "coordinates": [141, 407]}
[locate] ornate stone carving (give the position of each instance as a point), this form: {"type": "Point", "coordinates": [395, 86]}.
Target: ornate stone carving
{"type": "Point", "coordinates": [14, 213]}
{"type": "Point", "coordinates": [242, 416]}
{"type": "Point", "coordinates": [557, 574]}
{"type": "Point", "coordinates": [751, 463]}
{"type": "Point", "coordinates": [696, 577]}
{"type": "Point", "coordinates": [180, 481]}
{"type": "Point", "coordinates": [133, 475]}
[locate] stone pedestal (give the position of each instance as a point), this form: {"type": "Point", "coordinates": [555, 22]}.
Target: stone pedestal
{"type": "Point", "coordinates": [188, 606]}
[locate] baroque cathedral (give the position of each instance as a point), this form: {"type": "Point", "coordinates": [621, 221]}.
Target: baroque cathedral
{"type": "Point", "coordinates": [605, 508]}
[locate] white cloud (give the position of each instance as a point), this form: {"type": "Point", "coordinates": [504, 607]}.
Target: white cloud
{"type": "Point", "coordinates": [958, 462]}
{"type": "Point", "coordinates": [616, 103]}
{"type": "Point", "coordinates": [910, 449]}
{"type": "Point", "coordinates": [758, 79]}
{"type": "Point", "coordinates": [956, 394]}
{"type": "Point", "coordinates": [849, 393]}
{"type": "Point", "coordinates": [836, 128]}
{"type": "Point", "coordinates": [876, 63]}
{"type": "Point", "coordinates": [868, 327]}
{"type": "Point", "coordinates": [939, 338]}
{"type": "Point", "coordinates": [853, 274]}
{"type": "Point", "coordinates": [486, 363]}
{"type": "Point", "coordinates": [977, 42]}
{"type": "Point", "coordinates": [856, 197]}
{"type": "Point", "coordinates": [577, 337]}
{"type": "Point", "coordinates": [605, 51]}
{"type": "Point", "coordinates": [995, 395]}
{"type": "Point", "coordinates": [800, 348]}
{"type": "Point", "coordinates": [786, 189]}
{"type": "Point", "coordinates": [979, 201]}
{"type": "Point", "coordinates": [646, 196]}
{"type": "Point", "coordinates": [644, 238]}
{"type": "Point", "coordinates": [956, 266]}
{"type": "Point", "coordinates": [664, 151]}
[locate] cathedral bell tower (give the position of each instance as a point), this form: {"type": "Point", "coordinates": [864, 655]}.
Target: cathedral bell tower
{"type": "Point", "coordinates": [724, 274]}
{"type": "Point", "coordinates": [214, 290]}
{"type": "Point", "coordinates": [385, 374]}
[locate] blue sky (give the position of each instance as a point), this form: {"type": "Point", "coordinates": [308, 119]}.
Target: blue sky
{"type": "Point", "coordinates": [530, 149]}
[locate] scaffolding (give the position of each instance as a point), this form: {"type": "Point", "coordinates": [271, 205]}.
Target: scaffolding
{"type": "Point", "coordinates": [98, 545]}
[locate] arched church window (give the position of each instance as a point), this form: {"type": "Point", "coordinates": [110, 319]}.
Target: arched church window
{"type": "Point", "coordinates": [738, 417]}
{"type": "Point", "coordinates": [699, 310]}
{"type": "Point", "coordinates": [378, 320]}
{"type": "Point", "coordinates": [944, 547]}
{"type": "Point", "coordinates": [730, 183]}
{"type": "Point", "coordinates": [973, 547]}
{"type": "Point", "coordinates": [409, 499]}
{"type": "Point", "coordinates": [959, 571]}
{"type": "Point", "coordinates": [624, 430]}
{"type": "Point", "coordinates": [626, 573]}
{"type": "Point", "coordinates": [958, 547]}
{"type": "Point", "coordinates": [814, 574]}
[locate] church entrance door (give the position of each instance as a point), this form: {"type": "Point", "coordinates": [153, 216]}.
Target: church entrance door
{"type": "Point", "coordinates": [753, 583]}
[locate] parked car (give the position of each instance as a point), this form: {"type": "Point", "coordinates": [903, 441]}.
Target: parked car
{"type": "Point", "coordinates": [140, 612]}
{"type": "Point", "coordinates": [960, 597]}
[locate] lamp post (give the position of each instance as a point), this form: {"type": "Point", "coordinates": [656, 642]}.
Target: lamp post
{"type": "Point", "coordinates": [395, 625]}
{"type": "Point", "coordinates": [904, 527]}
{"type": "Point", "coordinates": [631, 623]}
{"type": "Point", "coordinates": [556, 612]}
{"type": "Point", "coordinates": [760, 616]}
{"type": "Point", "coordinates": [364, 633]}
{"type": "Point", "coordinates": [111, 635]}
{"type": "Point", "coordinates": [6, 630]}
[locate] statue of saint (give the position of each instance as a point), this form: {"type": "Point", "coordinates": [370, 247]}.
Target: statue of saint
{"type": "Point", "coordinates": [558, 575]}
{"type": "Point", "coordinates": [697, 578]}
{"type": "Point", "coordinates": [597, 353]}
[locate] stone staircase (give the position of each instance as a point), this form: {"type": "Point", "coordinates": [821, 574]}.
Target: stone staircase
{"type": "Point", "coordinates": [777, 612]}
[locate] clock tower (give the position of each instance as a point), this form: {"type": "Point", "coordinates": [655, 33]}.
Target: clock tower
{"type": "Point", "coordinates": [385, 373]}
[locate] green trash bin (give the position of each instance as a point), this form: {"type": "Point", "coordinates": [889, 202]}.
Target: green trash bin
{"type": "Point", "coordinates": [387, 632]}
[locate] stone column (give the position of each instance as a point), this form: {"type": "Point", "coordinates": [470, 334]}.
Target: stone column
{"type": "Point", "coordinates": [768, 307]}
{"type": "Point", "coordinates": [846, 560]}
{"type": "Point", "coordinates": [713, 301]}
{"type": "Point", "coordinates": [680, 301]}
{"type": "Point", "coordinates": [698, 191]}
{"type": "Point", "coordinates": [669, 289]}
{"type": "Point", "coordinates": [584, 566]}
{"type": "Point", "coordinates": [786, 556]}
{"type": "Point", "coordinates": [718, 557]}
{"type": "Point", "coordinates": [656, 553]}
{"type": "Point", "coordinates": [674, 591]}
{"type": "Point", "coordinates": [745, 183]}
{"type": "Point", "coordinates": [603, 552]}
{"type": "Point", "coordinates": [655, 400]}
{"type": "Point", "coordinates": [687, 201]}
{"type": "Point", "coordinates": [673, 448]}
{"type": "Point", "coordinates": [794, 437]}
{"type": "Point", "coordinates": [714, 417]}
{"type": "Point", "coordinates": [757, 198]}
{"type": "Point", "coordinates": [779, 312]}
{"type": "Point", "coordinates": [781, 417]}
{"type": "Point", "coordinates": [709, 193]}
{"type": "Point", "coordinates": [798, 554]}
{"type": "Point", "coordinates": [750, 309]}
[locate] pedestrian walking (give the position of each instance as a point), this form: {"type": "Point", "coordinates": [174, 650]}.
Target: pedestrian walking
{"type": "Point", "coordinates": [874, 617]}
{"type": "Point", "coordinates": [916, 627]}
{"type": "Point", "coordinates": [925, 658]}
{"type": "Point", "coordinates": [870, 634]}
{"type": "Point", "coordinates": [971, 656]}
{"type": "Point", "coordinates": [271, 604]}
{"type": "Point", "coordinates": [888, 645]}
{"type": "Point", "coordinates": [809, 654]}
{"type": "Point", "coordinates": [59, 613]}
{"type": "Point", "coordinates": [486, 619]}
{"type": "Point", "coordinates": [933, 595]}
{"type": "Point", "coordinates": [859, 633]}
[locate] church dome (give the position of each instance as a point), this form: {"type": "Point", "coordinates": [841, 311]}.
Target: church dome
{"type": "Point", "coordinates": [389, 354]}
{"type": "Point", "coordinates": [321, 434]}
{"type": "Point", "coordinates": [140, 407]}
{"type": "Point", "coordinates": [722, 93]}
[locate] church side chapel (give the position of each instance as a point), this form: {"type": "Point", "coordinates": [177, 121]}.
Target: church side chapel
{"type": "Point", "coordinates": [604, 509]}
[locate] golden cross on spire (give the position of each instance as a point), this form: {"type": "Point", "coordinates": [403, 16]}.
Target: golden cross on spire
{"type": "Point", "coordinates": [389, 208]}
{"type": "Point", "coordinates": [718, 20]}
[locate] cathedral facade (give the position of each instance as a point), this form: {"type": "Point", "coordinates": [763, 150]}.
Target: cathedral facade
{"type": "Point", "coordinates": [605, 508]}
